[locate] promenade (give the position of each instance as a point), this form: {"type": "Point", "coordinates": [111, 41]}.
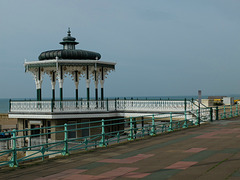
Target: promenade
{"type": "Point", "coordinates": [211, 151]}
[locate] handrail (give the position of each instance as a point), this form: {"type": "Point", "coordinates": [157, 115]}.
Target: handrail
{"type": "Point", "coordinates": [39, 146]}
{"type": "Point", "coordinates": [123, 129]}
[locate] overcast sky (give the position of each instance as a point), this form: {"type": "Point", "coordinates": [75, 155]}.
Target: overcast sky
{"type": "Point", "coordinates": [161, 47]}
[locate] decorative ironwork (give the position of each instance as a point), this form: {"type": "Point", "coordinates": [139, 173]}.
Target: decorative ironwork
{"type": "Point", "coordinates": [106, 105]}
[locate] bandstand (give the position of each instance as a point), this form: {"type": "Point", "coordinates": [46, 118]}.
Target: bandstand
{"type": "Point", "coordinates": [80, 65]}
{"type": "Point", "coordinates": [75, 62]}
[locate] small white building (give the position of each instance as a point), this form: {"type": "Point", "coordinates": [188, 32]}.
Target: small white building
{"type": "Point", "coordinates": [228, 100]}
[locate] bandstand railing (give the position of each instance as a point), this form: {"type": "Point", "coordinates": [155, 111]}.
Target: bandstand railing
{"type": "Point", "coordinates": [100, 106]}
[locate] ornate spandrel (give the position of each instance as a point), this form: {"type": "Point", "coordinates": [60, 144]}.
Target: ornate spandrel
{"type": "Point", "coordinates": [37, 76]}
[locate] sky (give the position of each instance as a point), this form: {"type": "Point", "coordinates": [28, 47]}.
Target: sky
{"type": "Point", "coordinates": [161, 47]}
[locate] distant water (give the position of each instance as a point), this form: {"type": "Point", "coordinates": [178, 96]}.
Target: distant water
{"type": "Point", "coordinates": [4, 105]}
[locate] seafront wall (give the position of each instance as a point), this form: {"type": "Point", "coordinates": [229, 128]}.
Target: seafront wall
{"type": "Point", "coordinates": [7, 123]}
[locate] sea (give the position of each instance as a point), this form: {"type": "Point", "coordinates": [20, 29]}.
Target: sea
{"type": "Point", "coordinates": [4, 103]}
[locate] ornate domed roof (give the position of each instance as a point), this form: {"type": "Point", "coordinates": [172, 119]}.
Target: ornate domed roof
{"type": "Point", "coordinates": [69, 51]}
{"type": "Point", "coordinates": [69, 54]}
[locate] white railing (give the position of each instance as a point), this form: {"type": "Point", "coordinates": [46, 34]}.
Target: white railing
{"type": "Point", "coordinates": [153, 105]}
{"type": "Point", "coordinates": [101, 106]}
{"type": "Point", "coordinates": [30, 106]}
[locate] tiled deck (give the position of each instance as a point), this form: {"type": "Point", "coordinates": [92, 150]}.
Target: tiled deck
{"type": "Point", "coordinates": [207, 152]}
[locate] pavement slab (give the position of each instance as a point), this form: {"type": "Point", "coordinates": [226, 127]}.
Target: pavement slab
{"type": "Point", "coordinates": [181, 165]}
{"type": "Point", "coordinates": [210, 151]}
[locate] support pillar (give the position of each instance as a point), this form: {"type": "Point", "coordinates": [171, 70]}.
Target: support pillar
{"type": "Point", "coordinates": [76, 79]}
{"type": "Point", "coordinates": [61, 89]}
{"type": "Point", "coordinates": [39, 94]}
{"type": "Point", "coordinates": [102, 84]}
{"type": "Point", "coordinates": [38, 82]}
{"type": "Point", "coordinates": [96, 94]}
{"type": "Point", "coordinates": [102, 90]}
{"type": "Point", "coordinates": [88, 84]}
{"type": "Point", "coordinates": [96, 85]}
{"type": "Point", "coordinates": [76, 94]}
{"type": "Point", "coordinates": [53, 83]}
{"type": "Point", "coordinates": [60, 80]}
{"type": "Point", "coordinates": [96, 91]}
{"type": "Point", "coordinates": [53, 94]}
{"type": "Point", "coordinates": [88, 88]}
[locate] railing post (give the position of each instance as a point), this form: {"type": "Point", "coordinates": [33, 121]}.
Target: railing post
{"type": "Point", "coordinates": [115, 104]}
{"type": "Point", "coordinates": [185, 104]}
{"type": "Point", "coordinates": [236, 113]}
{"type": "Point", "coordinates": [14, 162]}
{"type": "Point", "coordinates": [52, 105]}
{"type": "Point", "coordinates": [86, 143]}
{"type": "Point", "coordinates": [102, 141]}
{"type": "Point", "coordinates": [178, 124]}
{"type": "Point", "coordinates": [65, 149]}
{"type": "Point", "coordinates": [131, 129]}
{"type": "Point", "coordinates": [61, 105]}
{"type": "Point", "coordinates": [135, 127]}
{"type": "Point", "coordinates": [153, 131]}
{"type": "Point", "coordinates": [185, 121]}
{"type": "Point", "coordinates": [30, 142]}
{"type": "Point", "coordinates": [47, 142]}
{"type": "Point", "coordinates": [42, 151]}
{"type": "Point", "coordinates": [224, 112]}
{"type": "Point", "coordinates": [107, 104]}
{"type": "Point", "coordinates": [118, 137]}
{"type": "Point", "coordinates": [170, 125]}
{"type": "Point", "coordinates": [192, 104]}
{"type": "Point", "coordinates": [217, 113]}
{"type": "Point", "coordinates": [124, 100]}
{"type": "Point", "coordinates": [9, 105]}
{"type": "Point", "coordinates": [197, 122]}
{"type": "Point", "coordinates": [199, 115]}
{"type": "Point", "coordinates": [231, 115]}
{"type": "Point", "coordinates": [211, 114]}
{"type": "Point", "coordinates": [143, 130]}
{"type": "Point", "coordinates": [142, 119]}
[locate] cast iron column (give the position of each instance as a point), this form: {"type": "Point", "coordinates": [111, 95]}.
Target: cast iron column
{"type": "Point", "coordinates": [76, 84]}
{"type": "Point", "coordinates": [96, 85]}
{"type": "Point", "coordinates": [88, 84]}
{"type": "Point", "coordinates": [102, 84]}
{"type": "Point", "coordinates": [60, 80]}
{"type": "Point", "coordinates": [53, 85]}
{"type": "Point", "coordinates": [38, 85]}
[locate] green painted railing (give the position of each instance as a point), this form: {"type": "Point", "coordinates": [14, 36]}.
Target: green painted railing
{"type": "Point", "coordinates": [47, 142]}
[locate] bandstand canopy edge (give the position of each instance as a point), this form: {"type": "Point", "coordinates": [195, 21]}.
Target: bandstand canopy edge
{"type": "Point", "coordinates": [56, 63]}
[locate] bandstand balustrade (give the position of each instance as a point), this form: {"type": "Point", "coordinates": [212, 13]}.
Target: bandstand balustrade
{"type": "Point", "coordinates": [101, 106]}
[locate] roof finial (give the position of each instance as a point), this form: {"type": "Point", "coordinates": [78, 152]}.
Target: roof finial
{"type": "Point", "coordinates": [69, 32]}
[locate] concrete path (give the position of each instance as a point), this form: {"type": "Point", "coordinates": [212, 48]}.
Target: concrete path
{"type": "Point", "coordinates": [208, 152]}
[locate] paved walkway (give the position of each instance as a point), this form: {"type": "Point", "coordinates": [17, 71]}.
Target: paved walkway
{"type": "Point", "coordinates": [208, 152]}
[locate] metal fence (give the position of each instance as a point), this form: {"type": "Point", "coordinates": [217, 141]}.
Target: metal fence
{"type": "Point", "coordinates": [25, 146]}
{"type": "Point", "coordinates": [99, 106]}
